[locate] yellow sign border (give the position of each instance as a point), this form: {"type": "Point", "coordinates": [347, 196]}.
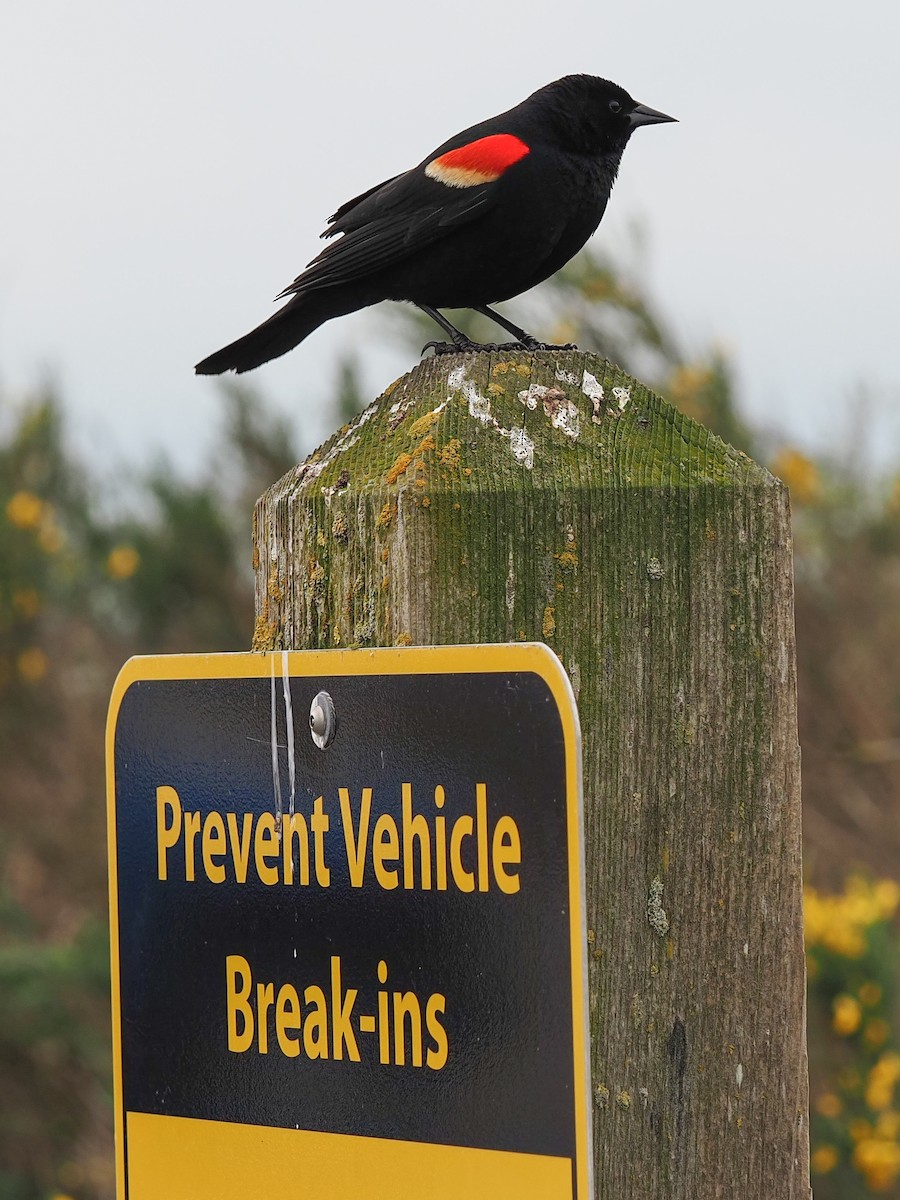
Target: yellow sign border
{"type": "Point", "coordinates": [516, 657]}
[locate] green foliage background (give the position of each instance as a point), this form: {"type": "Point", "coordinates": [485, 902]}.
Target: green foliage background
{"type": "Point", "coordinates": [164, 566]}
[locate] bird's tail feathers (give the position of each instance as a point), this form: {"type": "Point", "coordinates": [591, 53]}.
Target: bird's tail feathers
{"type": "Point", "coordinates": [282, 332]}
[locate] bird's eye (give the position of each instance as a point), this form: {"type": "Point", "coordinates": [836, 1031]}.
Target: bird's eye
{"type": "Point", "coordinates": [615, 106]}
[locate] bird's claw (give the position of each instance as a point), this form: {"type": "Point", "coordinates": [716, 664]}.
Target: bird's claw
{"type": "Point", "coordinates": [468, 347]}
{"type": "Point", "coordinates": [533, 344]}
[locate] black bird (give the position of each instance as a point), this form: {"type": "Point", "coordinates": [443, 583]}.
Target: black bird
{"type": "Point", "coordinates": [487, 215]}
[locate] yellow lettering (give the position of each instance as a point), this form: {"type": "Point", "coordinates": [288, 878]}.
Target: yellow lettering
{"type": "Point", "coordinates": [436, 1056]}
{"type": "Point", "coordinates": [265, 846]}
{"type": "Point", "coordinates": [384, 1032]}
{"type": "Point", "coordinates": [265, 998]}
{"type": "Point", "coordinates": [482, 839]}
{"type": "Point", "coordinates": [213, 846]}
{"type": "Point", "coordinates": [406, 1004]}
{"type": "Point", "coordinates": [240, 846]}
{"type": "Point", "coordinates": [341, 1015]}
{"type": "Point", "coordinates": [239, 1040]}
{"type": "Point", "coordinates": [287, 1016]}
{"type": "Point", "coordinates": [506, 851]}
{"type": "Point", "coordinates": [356, 846]}
{"type": "Point", "coordinates": [293, 824]}
{"type": "Point", "coordinates": [465, 880]}
{"type": "Point", "coordinates": [440, 841]}
{"type": "Point", "coordinates": [315, 1024]}
{"type": "Point", "coordinates": [319, 825]}
{"type": "Point", "coordinates": [385, 847]}
{"type": "Point", "coordinates": [167, 835]}
{"type": "Point", "coordinates": [191, 829]}
{"type": "Point", "coordinates": [415, 828]}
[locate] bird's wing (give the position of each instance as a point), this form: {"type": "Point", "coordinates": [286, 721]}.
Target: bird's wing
{"type": "Point", "coordinates": [336, 220]}
{"type": "Point", "coordinates": [387, 239]}
{"type": "Point", "coordinates": [403, 215]}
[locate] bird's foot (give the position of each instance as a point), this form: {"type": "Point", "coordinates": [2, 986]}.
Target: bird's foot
{"type": "Point", "coordinates": [466, 347]}
{"type": "Point", "coordinates": [531, 343]}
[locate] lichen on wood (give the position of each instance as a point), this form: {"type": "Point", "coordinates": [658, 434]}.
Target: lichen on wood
{"type": "Point", "coordinates": [550, 497]}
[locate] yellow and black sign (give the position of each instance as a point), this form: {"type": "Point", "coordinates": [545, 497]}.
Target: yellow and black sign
{"type": "Point", "coordinates": [350, 964]}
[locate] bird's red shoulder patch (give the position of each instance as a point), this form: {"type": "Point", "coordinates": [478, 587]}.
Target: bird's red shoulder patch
{"type": "Point", "coordinates": [481, 161]}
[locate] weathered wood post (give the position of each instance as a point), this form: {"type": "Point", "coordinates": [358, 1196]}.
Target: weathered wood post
{"type": "Point", "coordinates": [549, 497]}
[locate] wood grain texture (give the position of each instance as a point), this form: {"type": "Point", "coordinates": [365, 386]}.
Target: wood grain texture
{"type": "Point", "coordinates": [550, 497]}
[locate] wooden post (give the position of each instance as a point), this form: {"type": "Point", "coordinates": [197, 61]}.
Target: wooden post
{"type": "Point", "coordinates": [496, 497]}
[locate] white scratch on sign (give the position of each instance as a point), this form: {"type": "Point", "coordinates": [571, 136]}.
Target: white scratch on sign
{"type": "Point", "coordinates": [276, 773]}
{"type": "Point", "coordinates": [289, 722]}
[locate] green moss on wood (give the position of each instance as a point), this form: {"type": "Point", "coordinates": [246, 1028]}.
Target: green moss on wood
{"type": "Point", "coordinates": [425, 421]}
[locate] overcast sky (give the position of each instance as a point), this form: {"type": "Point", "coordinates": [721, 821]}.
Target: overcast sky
{"type": "Point", "coordinates": [167, 168]}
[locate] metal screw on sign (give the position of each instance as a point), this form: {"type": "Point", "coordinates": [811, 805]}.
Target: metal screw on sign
{"type": "Point", "coordinates": [322, 721]}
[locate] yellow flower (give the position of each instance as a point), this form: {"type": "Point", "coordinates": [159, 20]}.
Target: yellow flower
{"type": "Point", "coordinates": [32, 664]}
{"type": "Point", "coordinates": [800, 474]}
{"type": "Point", "coordinates": [859, 1129]}
{"type": "Point", "coordinates": [845, 940]}
{"type": "Point", "coordinates": [122, 562]}
{"type": "Point", "coordinates": [24, 510]}
{"type": "Point", "coordinates": [881, 1081]}
{"type": "Point", "coordinates": [597, 288]}
{"type": "Point", "coordinates": [847, 1015]}
{"type": "Point", "coordinates": [27, 601]}
{"type": "Point", "coordinates": [887, 897]}
{"type": "Point", "coordinates": [824, 1159]}
{"type": "Point", "coordinates": [50, 537]}
{"type": "Point", "coordinates": [563, 332]}
{"type": "Point", "coordinates": [870, 994]}
{"type": "Point", "coordinates": [888, 1125]}
{"type": "Point", "coordinates": [889, 1065]}
{"type": "Point", "coordinates": [879, 1095]}
{"type": "Point", "coordinates": [876, 1032]}
{"type": "Point", "coordinates": [829, 1105]}
{"type": "Point", "coordinates": [687, 383]}
{"type": "Point", "coordinates": [879, 1162]}
{"type": "Point", "coordinates": [839, 922]}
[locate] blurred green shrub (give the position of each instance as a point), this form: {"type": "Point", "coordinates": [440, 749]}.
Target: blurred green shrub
{"type": "Point", "coordinates": [853, 954]}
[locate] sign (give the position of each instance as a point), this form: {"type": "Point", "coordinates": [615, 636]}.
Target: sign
{"type": "Point", "coordinates": [350, 964]}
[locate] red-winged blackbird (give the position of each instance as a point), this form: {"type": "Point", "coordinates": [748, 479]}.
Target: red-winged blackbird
{"type": "Point", "coordinates": [489, 214]}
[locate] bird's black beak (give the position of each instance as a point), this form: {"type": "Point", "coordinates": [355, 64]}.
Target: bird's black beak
{"type": "Point", "coordinates": [642, 115]}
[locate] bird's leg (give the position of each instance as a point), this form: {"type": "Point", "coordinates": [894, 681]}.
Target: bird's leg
{"type": "Point", "coordinates": [458, 344]}
{"type": "Point", "coordinates": [524, 340]}
{"type": "Point", "coordinates": [458, 340]}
